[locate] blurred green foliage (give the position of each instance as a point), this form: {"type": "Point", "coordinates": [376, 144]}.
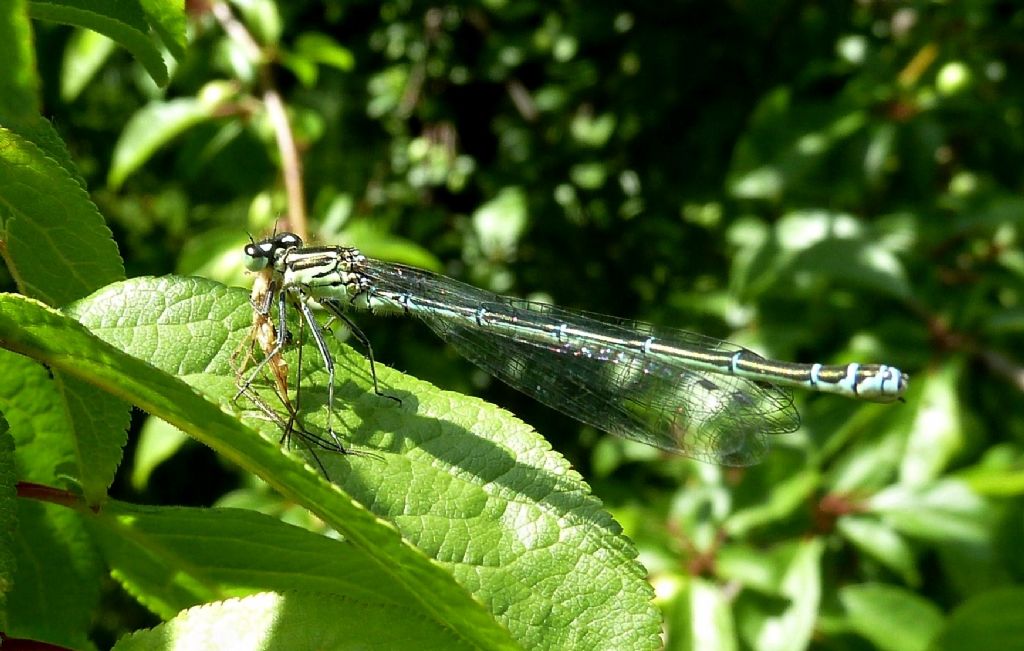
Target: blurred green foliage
{"type": "Point", "coordinates": [821, 182]}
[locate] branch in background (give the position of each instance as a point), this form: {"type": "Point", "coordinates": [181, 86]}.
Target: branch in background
{"type": "Point", "coordinates": [522, 99]}
{"type": "Point", "coordinates": [291, 164]}
{"type": "Point", "coordinates": [1002, 365]}
{"type": "Point", "coordinates": [43, 493]}
{"type": "Point", "coordinates": [950, 340]}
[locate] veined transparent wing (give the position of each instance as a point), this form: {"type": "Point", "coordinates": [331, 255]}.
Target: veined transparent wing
{"type": "Point", "coordinates": [605, 381]}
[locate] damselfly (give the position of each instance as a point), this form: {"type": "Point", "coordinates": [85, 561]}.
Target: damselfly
{"type": "Point", "coordinates": [675, 390]}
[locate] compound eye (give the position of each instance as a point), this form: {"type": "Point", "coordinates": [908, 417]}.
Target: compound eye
{"type": "Point", "coordinates": [289, 240]}
{"type": "Point", "coordinates": [257, 255]}
{"type": "Point", "coordinates": [253, 261]}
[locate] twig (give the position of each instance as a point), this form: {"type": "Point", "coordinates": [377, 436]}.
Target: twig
{"type": "Point", "coordinates": [291, 164]}
{"type": "Point", "coordinates": [43, 493]}
{"type": "Point", "coordinates": [1002, 365]}
{"type": "Point", "coordinates": [949, 339]}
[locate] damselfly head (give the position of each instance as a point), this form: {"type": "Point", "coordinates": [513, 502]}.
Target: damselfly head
{"type": "Point", "coordinates": [262, 254]}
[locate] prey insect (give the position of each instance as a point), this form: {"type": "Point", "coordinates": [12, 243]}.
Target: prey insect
{"type": "Point", "coordinates": [263, 337]}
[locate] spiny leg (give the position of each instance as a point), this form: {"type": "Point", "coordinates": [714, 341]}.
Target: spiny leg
{"type": "Point", "coordinates": [336, 446]}
{"type": "Point", "coordinates": [325, 354]}
{"type": "Point", "coordinates": [298, 368]}
{"type": "Point", "coordinates": [336, 310]}
{"type": "Point", "coordinates": [308, 438]}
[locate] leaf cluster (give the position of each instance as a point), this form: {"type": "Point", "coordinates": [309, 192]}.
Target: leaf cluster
{"type": "Point", "coordinates": [823, 183]}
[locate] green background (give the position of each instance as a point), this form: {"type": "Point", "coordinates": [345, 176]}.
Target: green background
{"type": "Point", "coordinates": [820, 182]}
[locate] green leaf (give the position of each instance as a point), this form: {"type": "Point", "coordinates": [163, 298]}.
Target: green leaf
{"type": "Point", "coordinates": [499, 222]}
{"type": "Point", "coordinates": [882, 143]}
{"type": "Point", "coordinates": [704, 619]}
{"type": "Point", "coordinates": [780, 503]}
{"type": "Point", "coordinates": [944, 511]}
{"type": "Point", "coordinates": [29, 328]}
{"type": "Point", "coordinates": [937, 433]}
{"type": "Point", "coordinates": [385, 246]}
{"type": "Point", "coordinates": [999, 473]}
{"type": "Point", "coordinates": [214, 254]}
{"type": "Point", "coordinates": [836, 247]}
{"type": "Point", "coordinates": [754, 567]}
{"type": "Point", "coordinates": [881, 542]}
{"type": "Point", "coordinates": [168, 19]}
{"type": "Point", "coordinates": [589, 176]}
{"type": "Point", "coordinates": [123, 22]}
{"type": "Point", "coordinates": [992, 620]}
{"type": "Point", "coordinates": [974, 566]}
{"type": "Point", "coordinates": [891, 617]}
{"type": "Point", "coordinates": [592, 131]}
{"type": "Point", "coordinates": [158, 441]}
{"type": "Point", "coordinates": [19, 87]}
{"type": "Point", "coordinates": [100, 433]}
{"type": "Point", "coordinates": [263, 18]}
{"type": "Point", "coordinates": [175, 558]}
{"type": "Point", "coordinates": [871, 443]}
{"type": "Point", "coordinates": [57, 247]}
{"type": "Point", "coordinates": [155, 125]}
{"type": "Point", "coordinates": [799, 582]}
{"type": "Point", "coordinates": [57, 572]}
{"type": "Point", "coordinates": [1004, 321]}
{"type": "Point", "coordinates": [984, 211]}
{"type": "Point", "coordinates": [787, 142]}
{"type": "Point", "coordinates": [458, 478]}
{"type": "Point", "coordinates": [855, 262]}
{"type": "Point", "coordinates": [820, 245]}
{"type": "Point", "coordinates": [296, 620]}
{"type": "Point", "coordinates": [84, 55]}
{"type": "Point", "coordinates": [8, 517]}
{"type": "Point", "coordinates": [304, 69]}
{"type": "Point", "coordinates": [321, 48]}
{"type": "Point", "coordinates": [998, 484]}
{"type": "Point", "coordinates": [34, 409]}
{"type": "Point", "coordinates": [63, 427]}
